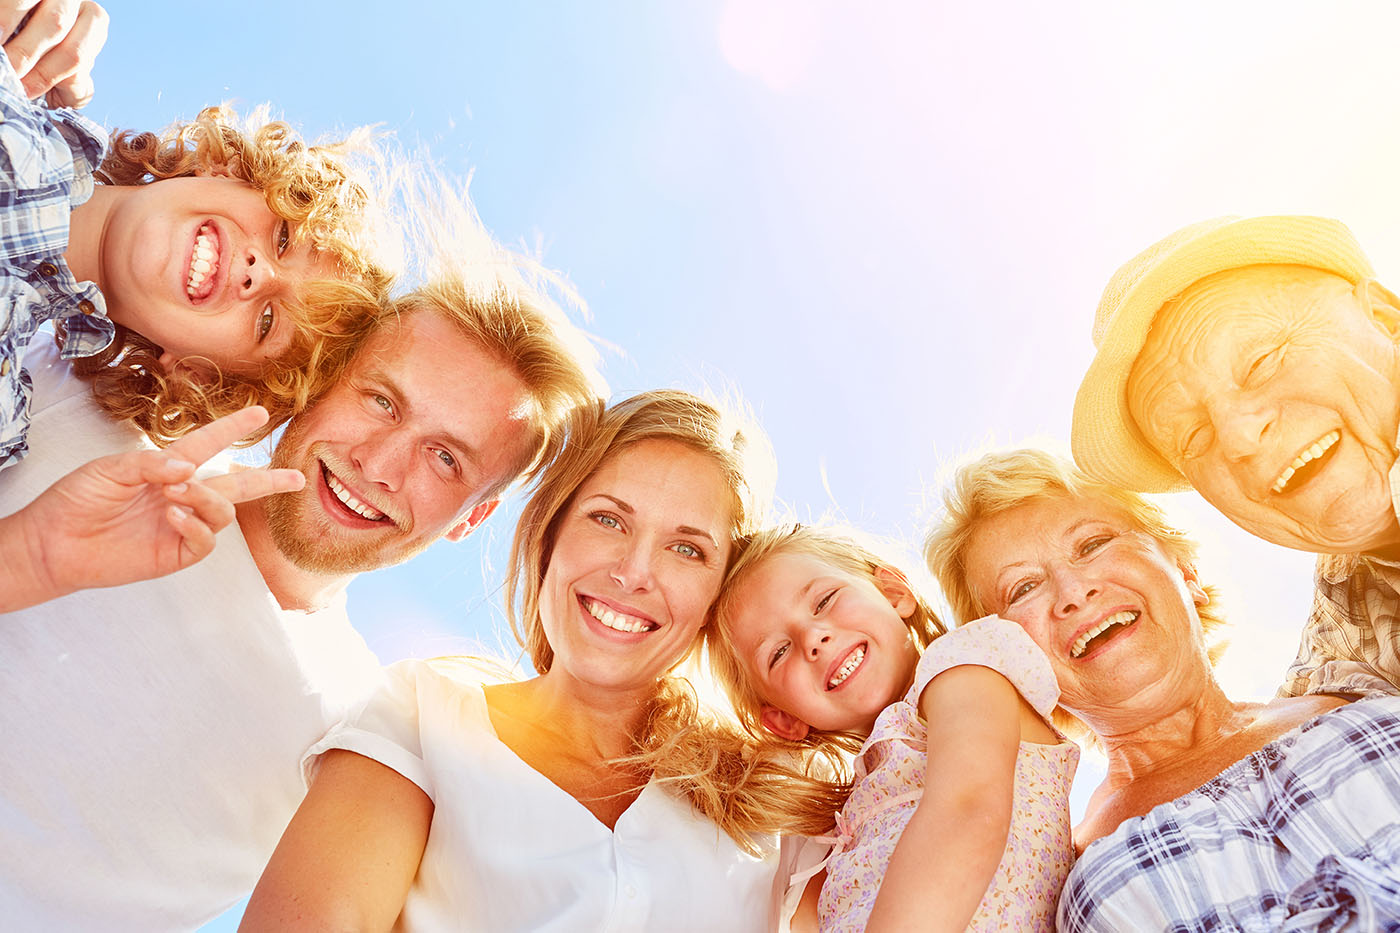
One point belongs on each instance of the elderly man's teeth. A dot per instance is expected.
(853, 661)
(1319, 447)
(1126, 617)
(616, 620)
(350, 502)
(201, 261)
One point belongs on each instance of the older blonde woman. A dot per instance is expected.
(522, 805)
(1214, 813)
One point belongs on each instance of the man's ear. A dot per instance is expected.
(1382, 304)
(783, 725)
(479, 513)
(895, 587)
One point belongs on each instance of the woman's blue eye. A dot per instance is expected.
(382, 402)
(606, 520)
(688, 550)
(446, 458)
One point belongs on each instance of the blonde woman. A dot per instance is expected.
(528, 805)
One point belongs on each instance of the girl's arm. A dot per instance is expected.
(349, 855)
(950, 850)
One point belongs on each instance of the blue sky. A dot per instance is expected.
(888, 229)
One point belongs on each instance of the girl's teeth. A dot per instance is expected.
(201, 262)
(847, 669)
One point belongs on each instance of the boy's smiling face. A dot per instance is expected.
(1275, 390)
(202, 266)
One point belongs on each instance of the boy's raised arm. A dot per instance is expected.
(130, 516)
(54, 51)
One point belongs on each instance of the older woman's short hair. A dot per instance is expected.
(998, 482)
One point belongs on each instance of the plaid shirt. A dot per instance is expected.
(47, 158)
(1302, 835)
(1351, 643)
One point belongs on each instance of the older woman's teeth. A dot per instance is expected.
(616, 620)
(847, 669)
(1126, 617)
(201, 260)
(349, 501)
(1319, 447)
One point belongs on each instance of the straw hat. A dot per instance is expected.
(1105, 439)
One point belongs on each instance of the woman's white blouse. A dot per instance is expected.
(509, 850)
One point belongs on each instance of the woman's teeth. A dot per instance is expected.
(203, 260)
(349, 501)
(1126, 617)
(1319, 447)
(853, 661)
(616, 620)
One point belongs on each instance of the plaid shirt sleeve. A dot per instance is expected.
(1304, 834)
(47, 159)
(1351, 643)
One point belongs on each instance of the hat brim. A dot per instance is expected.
(1104, 437)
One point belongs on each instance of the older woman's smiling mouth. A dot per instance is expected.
(1124, 617)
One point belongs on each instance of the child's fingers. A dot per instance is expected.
(198, 446)
(196, 538)
(214, 510)
(243, 485)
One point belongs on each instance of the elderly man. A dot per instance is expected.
(1258, 361)
(153, 732)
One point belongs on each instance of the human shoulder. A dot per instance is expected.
(997, 644)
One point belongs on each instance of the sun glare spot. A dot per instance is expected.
(772, 40)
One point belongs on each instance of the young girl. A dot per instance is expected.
(958, 814)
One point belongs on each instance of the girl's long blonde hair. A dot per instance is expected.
(804, 798)
(323, 190)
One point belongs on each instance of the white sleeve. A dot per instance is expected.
(386, 728)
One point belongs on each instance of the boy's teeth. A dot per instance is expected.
(853, 661)
(1318, 448)
(616, 620)
(353, 504)
(1126, 617)
(202, 260)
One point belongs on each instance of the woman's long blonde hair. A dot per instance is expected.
(323, 190)
(702, 755)
(818, 780)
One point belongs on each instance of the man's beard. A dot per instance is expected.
(312, 543)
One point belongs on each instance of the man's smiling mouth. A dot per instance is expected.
(1309, 460)
(351, 504)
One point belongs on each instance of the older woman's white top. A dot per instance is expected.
(509, 850)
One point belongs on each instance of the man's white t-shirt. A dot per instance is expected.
(150, 735)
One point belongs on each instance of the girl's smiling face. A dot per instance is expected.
(827, 648)
(638, 557)
(200, 266)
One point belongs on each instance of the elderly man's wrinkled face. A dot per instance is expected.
(1275, 390)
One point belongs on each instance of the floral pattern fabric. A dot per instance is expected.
(889, 784)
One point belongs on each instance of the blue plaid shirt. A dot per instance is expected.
(1304, 834)
(47, 158)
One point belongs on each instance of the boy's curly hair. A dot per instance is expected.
(326, 197)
